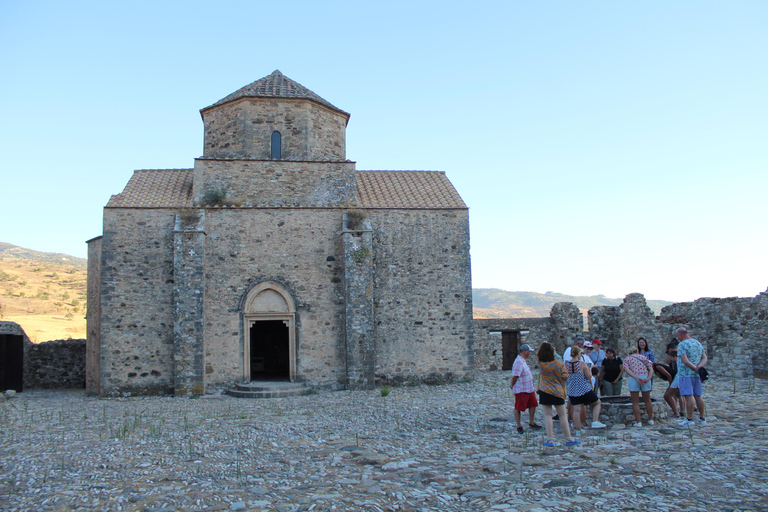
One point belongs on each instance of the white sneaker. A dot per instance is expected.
(597, 424)
(638, 424)
(686, 423)
(702, 421)
(650, 422)
(576, 433)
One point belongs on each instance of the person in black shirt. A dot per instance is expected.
(610, 373)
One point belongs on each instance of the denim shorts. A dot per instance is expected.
(634, 385)
(675, 382)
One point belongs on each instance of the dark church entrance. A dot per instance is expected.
(11, 362)
(270, 355)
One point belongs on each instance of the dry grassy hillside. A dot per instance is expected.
(47, 298)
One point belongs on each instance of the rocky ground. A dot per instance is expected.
(436, 448)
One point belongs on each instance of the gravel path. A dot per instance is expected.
(436, 448)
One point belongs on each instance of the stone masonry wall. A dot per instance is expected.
(54, 364)
(422, 294)
(137, 301)
(93, 318)
(51, 364)
(488, 343)
(278, 184)
(301, 249)
(605, 320)
(243, 129)
(734, 331)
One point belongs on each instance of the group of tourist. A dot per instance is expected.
(586, 368)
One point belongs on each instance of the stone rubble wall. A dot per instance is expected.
(54, 364)
(422, 295)
(560, 328)
(302, 250)
(51, 364)
(137, 311)
(734, 331)
(278, 184)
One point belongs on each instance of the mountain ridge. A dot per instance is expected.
(498, 303)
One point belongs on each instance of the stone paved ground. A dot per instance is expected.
(423, 448)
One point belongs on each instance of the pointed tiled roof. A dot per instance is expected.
(276, 85)
(156, 188)
(407, 189)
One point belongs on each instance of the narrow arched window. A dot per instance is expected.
(276, 146)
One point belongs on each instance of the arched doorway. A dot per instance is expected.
(269, 348)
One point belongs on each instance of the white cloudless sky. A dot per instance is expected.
(603, 147)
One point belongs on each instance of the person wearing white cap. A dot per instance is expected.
(522, 388)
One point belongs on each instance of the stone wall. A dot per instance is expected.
(93, 318)
(54, 364)
(560, 328)
(278, 184)
(137, 301)
(734, 331)
(243, 129)
(422, 294)
(302, 250)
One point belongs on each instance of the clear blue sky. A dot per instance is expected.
(602, 147)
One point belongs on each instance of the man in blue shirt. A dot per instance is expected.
(690, 357)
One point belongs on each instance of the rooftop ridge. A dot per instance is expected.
(275, 85)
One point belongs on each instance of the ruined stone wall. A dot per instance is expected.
(243, 129)
(568, 323)
(734, 331)
(302, 250)
(278, 184)
(54, 364)
(137, 301)
(488, 342)
(422, 294)
(605, 321)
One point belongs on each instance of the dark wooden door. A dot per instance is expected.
(509, 341)
(11, 362)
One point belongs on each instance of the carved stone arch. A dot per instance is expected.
(269, 301)
(269, 297)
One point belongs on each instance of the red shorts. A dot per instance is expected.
(525, 401)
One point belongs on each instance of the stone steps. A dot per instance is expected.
(264, 389)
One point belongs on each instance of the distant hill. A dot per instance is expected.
(13, 251)
(495, 303)
(43, 292)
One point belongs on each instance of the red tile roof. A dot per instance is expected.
(172, 188)
(156, 188)
(407, 190)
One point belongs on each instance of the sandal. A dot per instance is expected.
(573, 442)
(549, 443)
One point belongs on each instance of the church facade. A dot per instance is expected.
(274, 258)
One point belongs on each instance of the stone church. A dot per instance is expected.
(273, 258)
